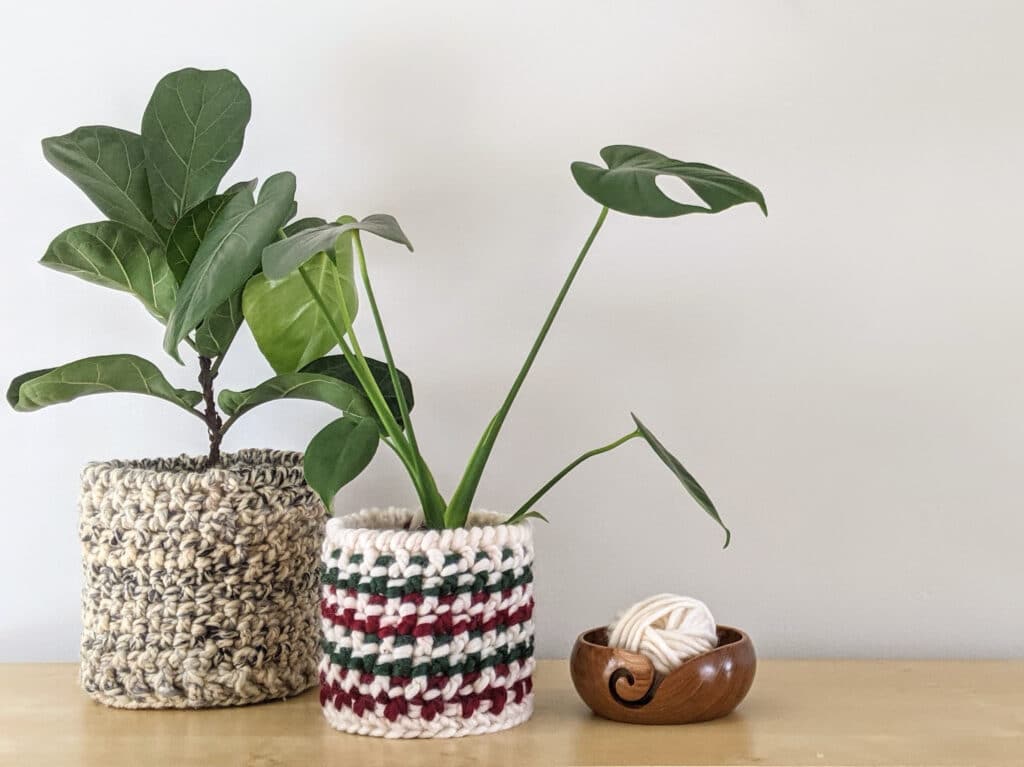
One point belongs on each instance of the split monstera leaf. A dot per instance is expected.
(191, 253)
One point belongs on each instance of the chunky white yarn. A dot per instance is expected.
(370, 559)
(666, 628)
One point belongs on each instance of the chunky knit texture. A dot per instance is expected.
(201, 587)
(426, 633)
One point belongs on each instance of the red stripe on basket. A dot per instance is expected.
(445, 622)
(337, 696)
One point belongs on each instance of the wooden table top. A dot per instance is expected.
(799, 713)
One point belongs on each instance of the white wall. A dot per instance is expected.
(845, 377)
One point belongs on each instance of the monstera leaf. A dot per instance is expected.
(336, 366)
(311, 386)
(114, 373)
(338, 454)
(115, 256)
(686, 478)
(228, 255)
(284, 256)
(193, 129)
(108, 164)
(628, 183)
(286, 321)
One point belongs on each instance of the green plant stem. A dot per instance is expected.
(403, 406)
(435, 512)
(458, 506)
(522, 510)
(373, 392)
(354, 357)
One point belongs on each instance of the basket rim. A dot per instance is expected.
(381, 528)
(246, 465)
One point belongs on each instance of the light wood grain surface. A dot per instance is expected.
(799, 713)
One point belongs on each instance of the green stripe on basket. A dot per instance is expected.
(379, 585)
(368, 664)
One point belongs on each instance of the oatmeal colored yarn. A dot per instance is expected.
(427, 633)
(201, 587)
(666, 628)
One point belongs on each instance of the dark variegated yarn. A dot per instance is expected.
(200, 586)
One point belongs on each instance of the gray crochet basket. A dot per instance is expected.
(200, 587)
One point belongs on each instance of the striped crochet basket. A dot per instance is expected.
(426, 633)
(200, 586)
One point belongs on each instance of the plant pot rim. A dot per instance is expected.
(250, 466)
(386, 529)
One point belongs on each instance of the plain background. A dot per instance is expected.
(845, 376)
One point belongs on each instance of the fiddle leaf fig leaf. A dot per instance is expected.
(188, 233)
(292, 212)
(286, 321)
(676, 467)
(284, 256)
(310, 386)
(337, 366)
(628, 183)
(108, 164)
(218, 330)
(242, 186)
(115, 256)
(228, 255)
(193, 128)
(124, 373)
(338, 454)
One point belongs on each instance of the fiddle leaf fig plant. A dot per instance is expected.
(342, 449)
(191, 254)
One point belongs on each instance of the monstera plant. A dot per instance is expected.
(222, 549)
(341, 450)
(440, 599)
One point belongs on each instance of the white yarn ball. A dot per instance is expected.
(667, 628)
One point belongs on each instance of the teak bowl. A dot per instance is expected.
(625, 686)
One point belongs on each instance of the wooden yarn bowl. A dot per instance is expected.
(625, 686)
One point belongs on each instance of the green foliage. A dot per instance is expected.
(109, 165)
(311, 386)
(115, 256)
(202, 261)
(229, 254)
(676, 467)
(337, 366)
(289, 254)
(187, 253)
(284, 318)
(193, 129)
(218, 330)
(113, 373)
(338, 454)
(190, 230)
(628, 185)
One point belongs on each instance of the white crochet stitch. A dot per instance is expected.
(387, 584)
(666, 628)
